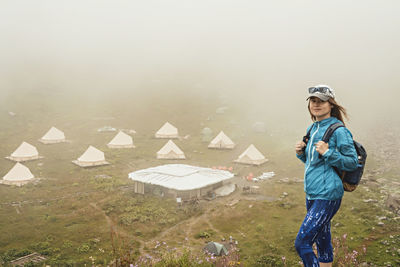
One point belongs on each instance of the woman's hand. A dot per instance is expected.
(321, 147)
(299, 147)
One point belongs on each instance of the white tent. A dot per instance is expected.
(167, 131)
(170, 151)
(53, 136)
(121, 140)
(251, 156)
(24, 152)
(222, 141)
(91, 157)
(180, 180)
(18, 175)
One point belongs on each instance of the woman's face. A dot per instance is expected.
(320, 109)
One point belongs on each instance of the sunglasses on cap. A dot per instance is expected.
(322, 90)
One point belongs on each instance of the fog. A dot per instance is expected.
(260, 54)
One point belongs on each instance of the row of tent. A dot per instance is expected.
(94, 157)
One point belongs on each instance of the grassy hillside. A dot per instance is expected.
(77, 216)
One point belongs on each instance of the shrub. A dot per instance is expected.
(260, 228)
(67, 244)
(84, 248)
(269, 260)
(206, 234)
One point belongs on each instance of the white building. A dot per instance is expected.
(179, 180)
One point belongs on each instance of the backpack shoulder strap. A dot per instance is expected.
(307, 136)
(331, 129)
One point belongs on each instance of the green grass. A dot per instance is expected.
(58, 217)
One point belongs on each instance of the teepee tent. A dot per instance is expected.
(170, 151)
(216, 249)
(53, 136)
(167, 131)
(251, 156)
(221, 141)
(18, 175)
(24, 152)
(91, 157)
(121, 140)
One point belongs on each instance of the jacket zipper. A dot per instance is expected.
(309, 152)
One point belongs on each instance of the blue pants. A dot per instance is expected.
(316, 228)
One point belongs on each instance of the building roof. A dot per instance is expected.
(180, 176)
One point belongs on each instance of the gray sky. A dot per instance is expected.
(260, 49)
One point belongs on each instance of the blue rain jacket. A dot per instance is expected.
(320, 179)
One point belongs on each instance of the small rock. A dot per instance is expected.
(369, 200)
(285, 194)
(381, 224)
(382, 218)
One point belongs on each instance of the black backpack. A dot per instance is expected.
(350, 179)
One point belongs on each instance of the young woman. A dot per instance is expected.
(323, 187)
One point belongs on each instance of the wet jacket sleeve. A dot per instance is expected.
(302, 157)
(344, 155)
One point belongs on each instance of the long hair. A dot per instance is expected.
(337, 111)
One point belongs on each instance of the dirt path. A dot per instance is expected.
(110, 222)
(187, 225)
